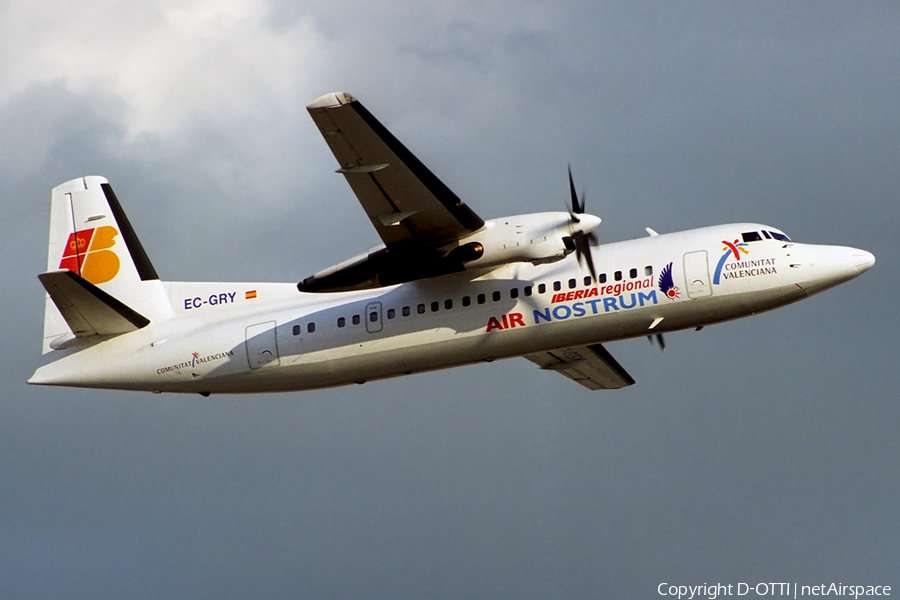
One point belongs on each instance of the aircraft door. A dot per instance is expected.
(696, 274)
(373, 317)
(262, 347)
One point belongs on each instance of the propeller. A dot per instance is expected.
(581, 240)
(577, 204)
(659, 340)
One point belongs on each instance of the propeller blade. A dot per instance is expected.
(580, 239)
(659, 340)
(577, 207)
(583, 250)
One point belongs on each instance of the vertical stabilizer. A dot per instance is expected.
(91, 236)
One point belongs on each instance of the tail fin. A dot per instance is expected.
(91, 236)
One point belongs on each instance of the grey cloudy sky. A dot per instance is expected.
(760, 450)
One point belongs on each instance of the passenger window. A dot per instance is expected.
(496, 296)
(296, 330)
(420, 309)
(435, 306)
(391, 313)
(618, 275)
(557, 286)
(406, 311)
(467, 301)
(542, 288)
(373, 316)
(480, 298)
(587, 280)
(527, 290)
(355, 319)
(341, 322)
(648, 271)
(311, 328)
(448, 304)
(602, 278)
(572, 283)
(514, 293)
(632, 273)
(751, 236)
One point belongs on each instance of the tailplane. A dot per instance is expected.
(96, 266)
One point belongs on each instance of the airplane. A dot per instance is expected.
(446, 288)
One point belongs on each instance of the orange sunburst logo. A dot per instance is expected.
(87, 253)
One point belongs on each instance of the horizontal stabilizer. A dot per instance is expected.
(591, 366)
(87, 309)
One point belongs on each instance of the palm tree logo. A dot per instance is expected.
(730, 249)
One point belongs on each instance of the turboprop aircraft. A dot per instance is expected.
(446, 288)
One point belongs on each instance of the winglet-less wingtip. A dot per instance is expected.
(332, 100)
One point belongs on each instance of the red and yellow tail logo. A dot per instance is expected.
(88, 254)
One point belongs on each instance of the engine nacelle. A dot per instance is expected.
(535, 238)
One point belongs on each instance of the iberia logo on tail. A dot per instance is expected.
(88, 254)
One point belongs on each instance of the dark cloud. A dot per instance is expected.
(759, 450)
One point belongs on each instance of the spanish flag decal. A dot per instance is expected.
(250, 295)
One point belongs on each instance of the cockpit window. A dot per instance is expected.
(751, 236)
(780, 236)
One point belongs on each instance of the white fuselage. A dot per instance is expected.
(235, 338)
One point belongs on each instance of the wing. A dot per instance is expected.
(591, 366)
(407, 203)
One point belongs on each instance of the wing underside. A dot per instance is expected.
(415, 214)
(591, 366)
(404, 200)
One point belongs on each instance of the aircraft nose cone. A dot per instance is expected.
(833, 265)
(863, 260)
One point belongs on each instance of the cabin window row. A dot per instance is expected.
(496, 296)
(310, 328)
(434, 306)
(601, 278)
(420, 309)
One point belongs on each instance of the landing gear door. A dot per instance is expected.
(262, 347)
(696, 274)
(373, 317)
